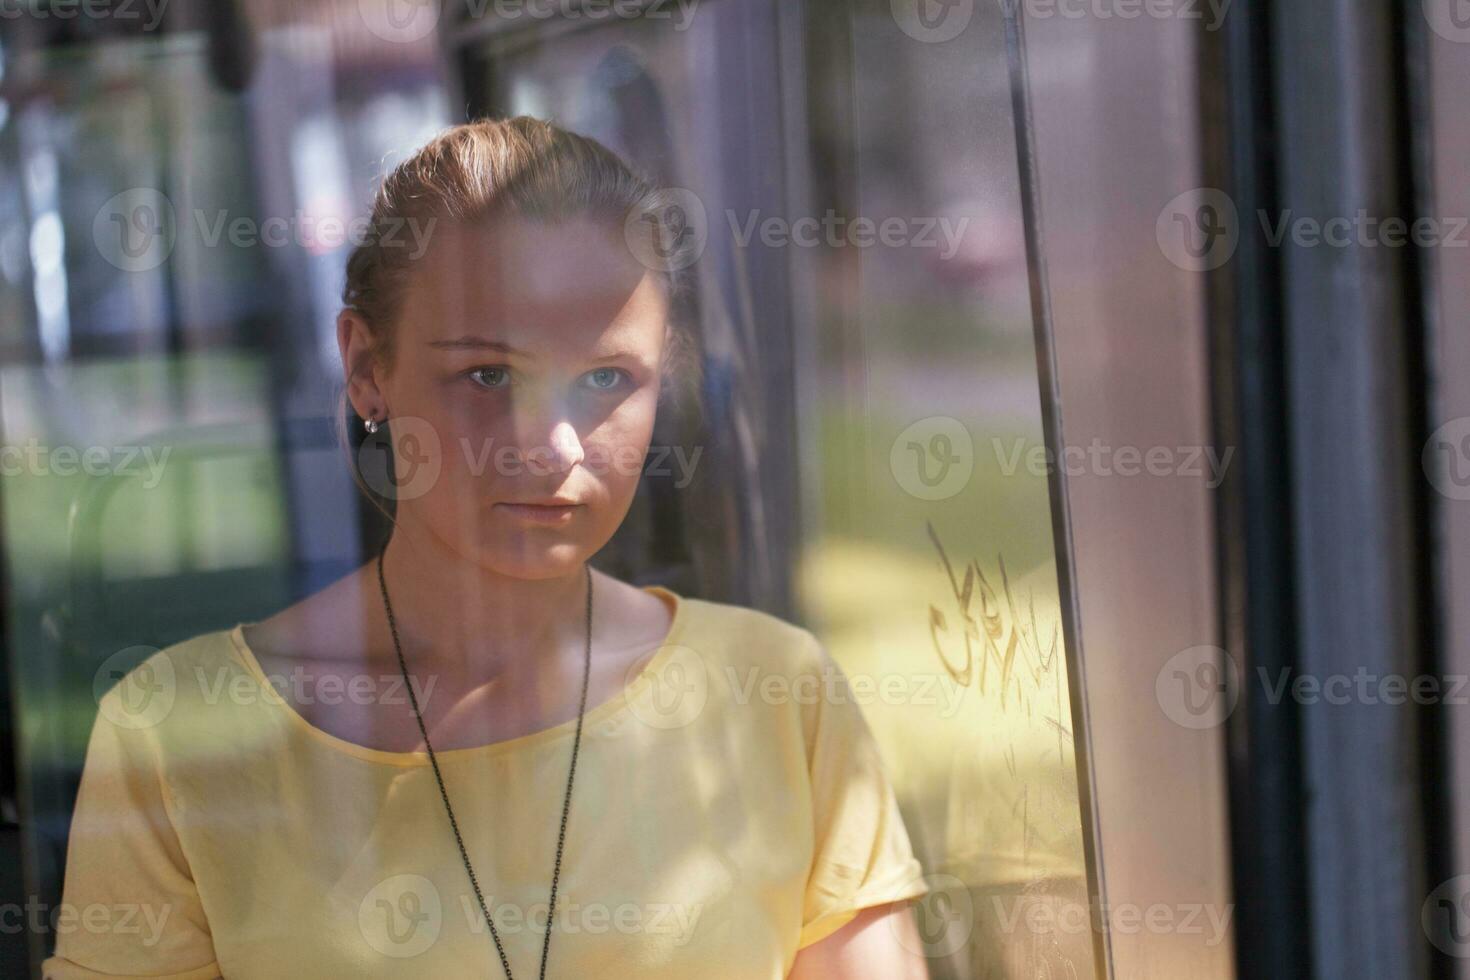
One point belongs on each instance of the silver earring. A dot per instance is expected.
(370, 424)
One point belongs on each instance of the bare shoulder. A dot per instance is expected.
(325, 628)
(628, 617)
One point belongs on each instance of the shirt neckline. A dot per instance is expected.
(612, 706)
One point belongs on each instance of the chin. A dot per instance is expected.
(530, 558)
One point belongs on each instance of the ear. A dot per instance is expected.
(360, 368)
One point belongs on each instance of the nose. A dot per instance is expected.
(547, 436)
(564, 447)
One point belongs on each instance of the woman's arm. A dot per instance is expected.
(882, 943)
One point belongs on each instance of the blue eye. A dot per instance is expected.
(498, 377)
(611, 375)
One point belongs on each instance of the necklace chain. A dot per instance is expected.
(566, 805)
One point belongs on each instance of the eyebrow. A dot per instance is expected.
(478, 343)
(501, 347)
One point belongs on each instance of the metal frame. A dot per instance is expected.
(1350, 359)
(1437, 74)
(1131, 349)
(1051, 423)
(1255, 531)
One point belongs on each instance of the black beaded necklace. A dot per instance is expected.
(566, 806)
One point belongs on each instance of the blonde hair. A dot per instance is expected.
(521, 167)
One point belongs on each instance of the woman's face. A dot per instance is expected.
(527, 363)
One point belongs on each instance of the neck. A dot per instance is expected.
(450, 610)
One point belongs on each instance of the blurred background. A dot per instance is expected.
(1026, 386)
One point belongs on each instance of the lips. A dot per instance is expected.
(539, 513)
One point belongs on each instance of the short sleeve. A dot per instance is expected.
(862, 855)
(129, 905)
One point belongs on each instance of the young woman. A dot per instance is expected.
(476, 756)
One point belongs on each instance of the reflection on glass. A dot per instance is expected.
(155, 481)
(869, 416)
(931, 558)
(924, 554)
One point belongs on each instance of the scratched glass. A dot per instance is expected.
(934, 553)
(866, 455)
(887, 261)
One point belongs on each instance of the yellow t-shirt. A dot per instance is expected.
(730, 807)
